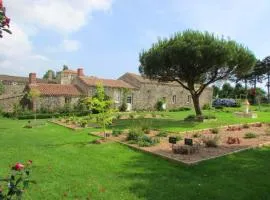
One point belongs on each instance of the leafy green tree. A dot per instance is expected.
(103, 105)
(216, 91)
(2, 88)
(227, 91)
(266, 66)
(46, 75)
(65, 67)
(195, 60)
(33, 96)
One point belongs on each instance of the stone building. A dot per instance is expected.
(70, 86)
(147, 92)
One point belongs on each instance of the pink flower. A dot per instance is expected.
(1, 4)
(18, 166)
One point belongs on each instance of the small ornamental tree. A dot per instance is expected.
(103, 106)
(2, 88)
(33, 96)
(4, 20)
(266, 65)
(195, 60)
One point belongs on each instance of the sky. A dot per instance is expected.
(105, 37)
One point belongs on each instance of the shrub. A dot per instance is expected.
(159, 105)
(134, 134)
(162, 134)
(123, 107)
(250, 135)
(196, 135)
(18, 181)
(180, 109)
(211, 141)
(83, 123)
(145, 141)
(245, 126)
(178, 138)
(215, 130)
(132, 116)
(206, 107)
(116, 133)
(29, 125)
(194, 118)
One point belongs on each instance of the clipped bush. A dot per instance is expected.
(196, 135)
(246, 126)
(206, 107)
(214, 131)
(162, 134)
(116, 133)
(132, 116)
(250, 135)
(180, 109)
(146, 141)
(134, 134)
(211, 141)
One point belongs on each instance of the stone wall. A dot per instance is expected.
(13, 95)
(53, 103)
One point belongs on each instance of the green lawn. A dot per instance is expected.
(175, 120)
(66, 166)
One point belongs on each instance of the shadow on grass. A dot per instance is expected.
(241, 176)
(155, 123)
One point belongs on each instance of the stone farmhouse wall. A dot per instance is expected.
(7, 103)
(53, 103)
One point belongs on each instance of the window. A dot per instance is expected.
(129, 99)
(174, 99)
(67, 100)
(189, 99)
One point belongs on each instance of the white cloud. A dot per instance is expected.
(18, 54)
(61, 15)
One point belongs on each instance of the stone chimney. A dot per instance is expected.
(80, 72)
(50, 75)
(32, 78)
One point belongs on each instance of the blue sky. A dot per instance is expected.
(105, 36)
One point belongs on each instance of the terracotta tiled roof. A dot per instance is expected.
(142, 79)
(69, 71)
(19, 79)
(93, 81)
(56, 89)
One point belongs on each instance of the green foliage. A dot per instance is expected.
(215, 131)
(146, 141)
(123, 107)
(211, 141)
(134, 134)
(65, 67)
(197, 58)
(180, 109)
(103, 106)
(46, 75)
(159, 105)
(2, 88)
(162, 134)
(206, 106)
(246, 126)
(250, 135)
(17, 182)
(116, 133)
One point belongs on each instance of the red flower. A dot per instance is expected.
(18, 166)
(1, 4)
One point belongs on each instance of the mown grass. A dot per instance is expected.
(66, 166)
(174, 121)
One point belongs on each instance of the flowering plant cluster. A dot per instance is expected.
(4, 20)
(17, 182)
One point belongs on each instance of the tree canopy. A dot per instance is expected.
(195, 60)
(46, 75)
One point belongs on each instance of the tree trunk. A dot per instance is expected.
(196, 103)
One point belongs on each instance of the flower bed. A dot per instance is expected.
(209, 145)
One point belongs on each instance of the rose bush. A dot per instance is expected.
(17, 182)
(4, 20)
